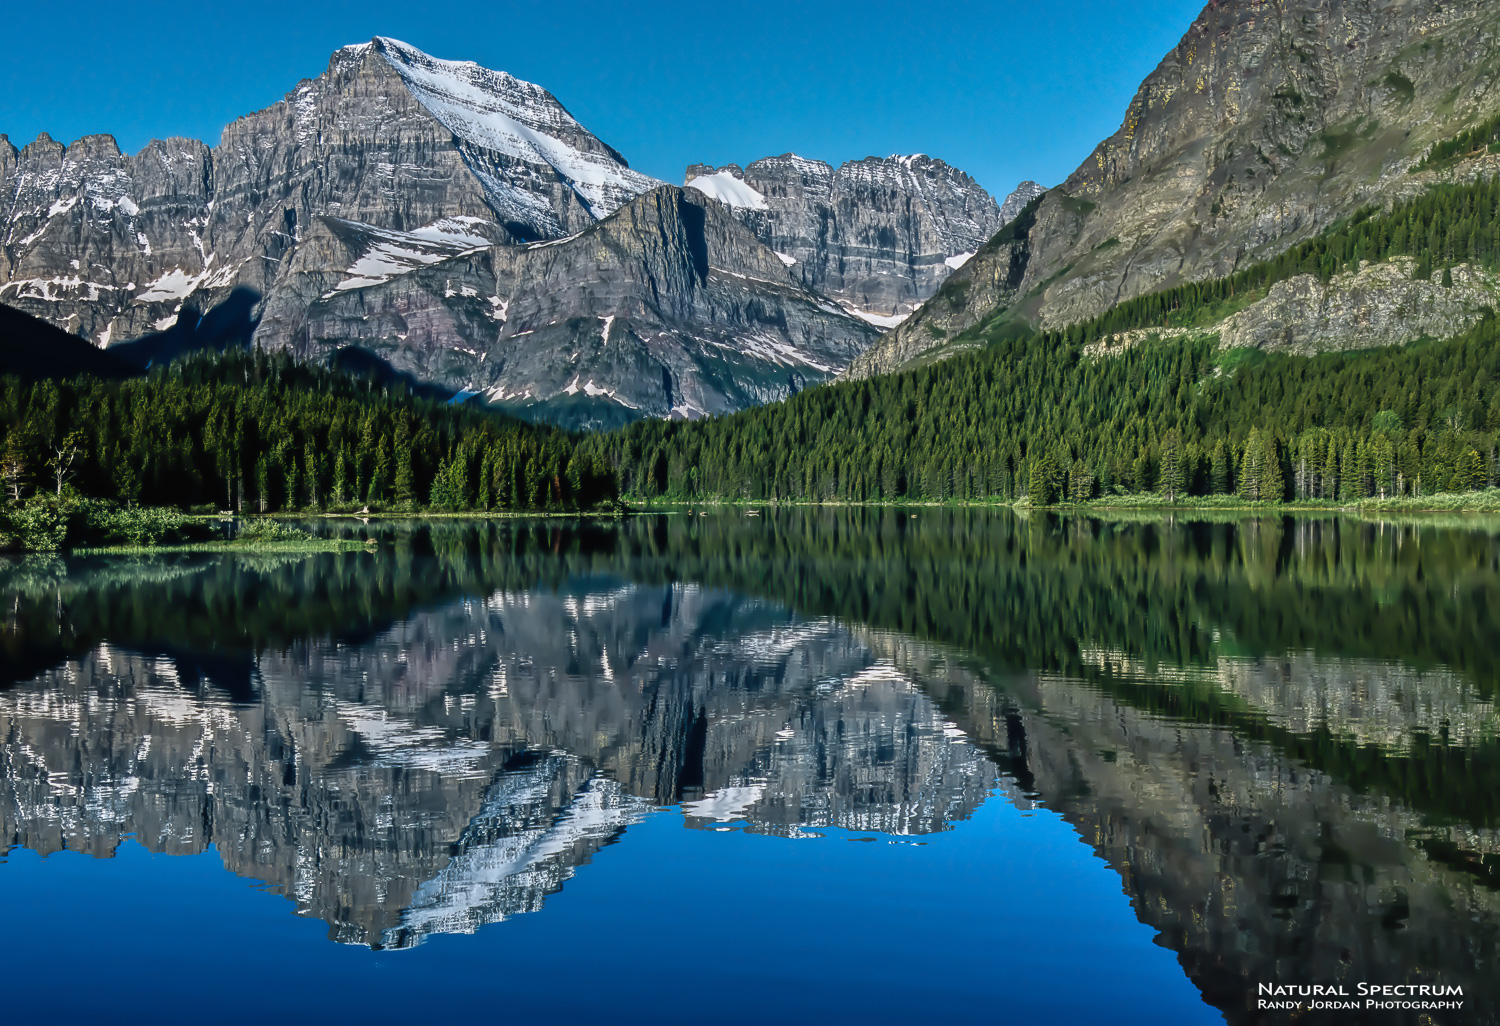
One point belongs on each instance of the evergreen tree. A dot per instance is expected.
(1172, 476)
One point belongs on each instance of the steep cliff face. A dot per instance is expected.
(669, 307)
(103, 244)
(1265, 124)
(878, 234)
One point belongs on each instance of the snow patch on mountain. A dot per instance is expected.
(175, 284)
(881, 320)
(504, 115)
(391, 253)
(726, 188)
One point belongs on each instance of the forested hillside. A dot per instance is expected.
(258, 433)
(1049, 417)
(1035, 417)
(1044, 416)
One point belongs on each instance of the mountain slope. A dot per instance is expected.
(878, 235)
(1267, 123)
(669, 307)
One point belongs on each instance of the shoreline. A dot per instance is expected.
(1443, 502)
(1474, 504)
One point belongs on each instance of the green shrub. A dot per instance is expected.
(142, 525)
(49, 523)
(38, 526)
(271, 531)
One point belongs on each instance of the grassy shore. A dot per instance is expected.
(1487, 501)
(306, 546)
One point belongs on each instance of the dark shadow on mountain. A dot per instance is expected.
(580, 412)
(695, 219)
(31, 348)
(229, 324)
(361, 363)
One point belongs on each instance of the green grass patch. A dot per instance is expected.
(1404, 88)
(1240, 357)
(1078, 205)
(310, 546)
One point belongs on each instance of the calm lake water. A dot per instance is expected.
(831, 765)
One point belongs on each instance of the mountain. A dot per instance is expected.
(111, 246)
(461, 226)
(878, 235)
(1265, 125)
(668, 307)
(1017, 201)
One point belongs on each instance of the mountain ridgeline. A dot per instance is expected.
(462, 227)
(878, 235)
(1266, 124)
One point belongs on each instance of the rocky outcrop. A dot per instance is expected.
(1017, 201)
(1382, 304)
(1265, 124)
(1378, 305)
(878, 235)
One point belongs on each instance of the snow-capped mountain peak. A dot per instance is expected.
(501, 120)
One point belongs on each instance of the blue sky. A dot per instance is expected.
(1004, 90)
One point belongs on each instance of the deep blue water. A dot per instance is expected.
(1008, 919)
(818, 766)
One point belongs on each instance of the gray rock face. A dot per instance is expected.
(1017, 200)
(878, 235)
(1265, 124)
(669, 307)
(1382, 304)
(102, 244)
(1378, 305)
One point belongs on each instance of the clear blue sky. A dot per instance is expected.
(1004, 90)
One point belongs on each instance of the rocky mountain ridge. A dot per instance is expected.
(878, 235)
(1264, 125)
(440, 216)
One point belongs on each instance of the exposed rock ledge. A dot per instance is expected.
(1381, 304)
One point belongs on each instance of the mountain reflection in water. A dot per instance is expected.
(1280, 733)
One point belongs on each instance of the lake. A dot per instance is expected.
(869, 765)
